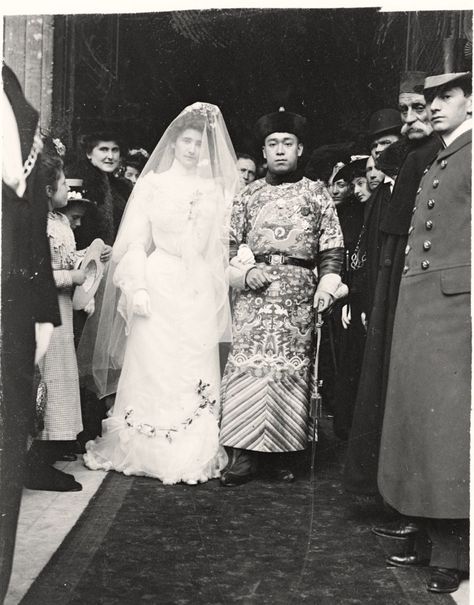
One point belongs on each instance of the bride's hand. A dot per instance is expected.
(141, 303)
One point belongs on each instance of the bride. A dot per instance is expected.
(165, 309)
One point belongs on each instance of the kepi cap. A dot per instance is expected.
(412, 82)
(443, 79)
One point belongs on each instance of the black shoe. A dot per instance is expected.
(400, 529)
(66, 457)
(444, 580)
(48, 478)
(231, 479)
(407, 560)
(282, 474)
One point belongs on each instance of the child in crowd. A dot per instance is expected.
(62, 420)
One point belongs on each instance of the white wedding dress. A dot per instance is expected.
(164, 423)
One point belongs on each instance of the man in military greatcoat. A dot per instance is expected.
(424, 450)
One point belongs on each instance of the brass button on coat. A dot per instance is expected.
(431, 203)
(407, 249)
(410, 231)
(426, 244)
(429, 225)
(405, 268)
(435, 183)
(418, 190)
(444, 163)
(414, 210)
(425, 264)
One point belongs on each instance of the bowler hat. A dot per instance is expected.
(281, 121)
(384, 121)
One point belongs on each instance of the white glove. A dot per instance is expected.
(346, 316)
(90, 307)
(43, 332)
(141, 304)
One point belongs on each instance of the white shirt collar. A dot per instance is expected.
(390, 181)
(461, 129)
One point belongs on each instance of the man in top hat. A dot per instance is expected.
(360, 474)
(384, 129)
(424, 450)
(286, 257)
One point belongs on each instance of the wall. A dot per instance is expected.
(28, 50)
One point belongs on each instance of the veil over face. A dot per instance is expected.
(193, 167)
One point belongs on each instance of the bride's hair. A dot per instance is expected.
(187, 121)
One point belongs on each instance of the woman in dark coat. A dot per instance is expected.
(100, 160)
(98, 165)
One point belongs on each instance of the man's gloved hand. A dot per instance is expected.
(323, 301)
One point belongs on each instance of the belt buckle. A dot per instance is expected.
(276, 259)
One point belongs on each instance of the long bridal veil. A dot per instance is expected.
(102, 345)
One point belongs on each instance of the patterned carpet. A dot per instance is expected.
(262, 543)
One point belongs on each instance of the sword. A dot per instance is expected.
(316, 400)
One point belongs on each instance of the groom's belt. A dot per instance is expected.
(282, 259)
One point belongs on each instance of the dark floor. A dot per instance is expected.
(261, 543)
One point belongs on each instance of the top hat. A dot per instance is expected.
(384, 121)
(281, 121)
(76, 192)
(412, 82)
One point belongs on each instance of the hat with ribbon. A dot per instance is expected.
(76, 192)
(93, 267)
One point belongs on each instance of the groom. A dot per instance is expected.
(285, 241)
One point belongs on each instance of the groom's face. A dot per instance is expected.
(187, 147)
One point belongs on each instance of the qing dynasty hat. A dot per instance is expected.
(281, 121)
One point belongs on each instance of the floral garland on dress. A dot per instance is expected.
(150, 430)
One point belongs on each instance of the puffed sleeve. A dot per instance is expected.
(131, 248)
